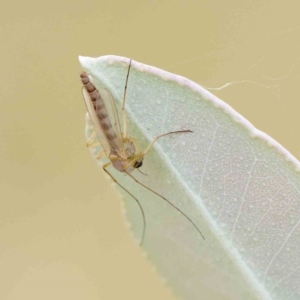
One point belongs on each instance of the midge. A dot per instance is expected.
(117, 146)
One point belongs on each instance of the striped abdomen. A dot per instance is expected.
(100, 110)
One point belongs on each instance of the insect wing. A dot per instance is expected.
(99, 131)
(113, 116)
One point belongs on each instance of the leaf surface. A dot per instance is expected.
(235, 182)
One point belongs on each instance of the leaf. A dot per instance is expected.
(235, 182)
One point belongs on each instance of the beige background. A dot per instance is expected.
(61, 232)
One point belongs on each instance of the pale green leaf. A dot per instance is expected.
(238, 185)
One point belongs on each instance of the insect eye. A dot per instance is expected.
(138, 164)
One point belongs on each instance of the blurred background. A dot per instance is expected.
(62, 235)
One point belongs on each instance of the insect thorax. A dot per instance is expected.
(125, 160)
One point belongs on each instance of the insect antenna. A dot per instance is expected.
(142, 172)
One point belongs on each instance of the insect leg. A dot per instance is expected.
(89, 143)
(123, 105)
(94, 144)
(136, 200)
(178, 209)
(159, 136)
(100, 155)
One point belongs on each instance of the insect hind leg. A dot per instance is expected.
(136, 200)
(168, 201)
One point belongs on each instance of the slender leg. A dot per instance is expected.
(124, 102)
(158, 137)
(90, 140)
(136, 200)
(100, 154)
(93, 144)
(167, 202)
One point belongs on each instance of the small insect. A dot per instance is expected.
(117, 146)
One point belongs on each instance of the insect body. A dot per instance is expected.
(123, 153)
(120, 149)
